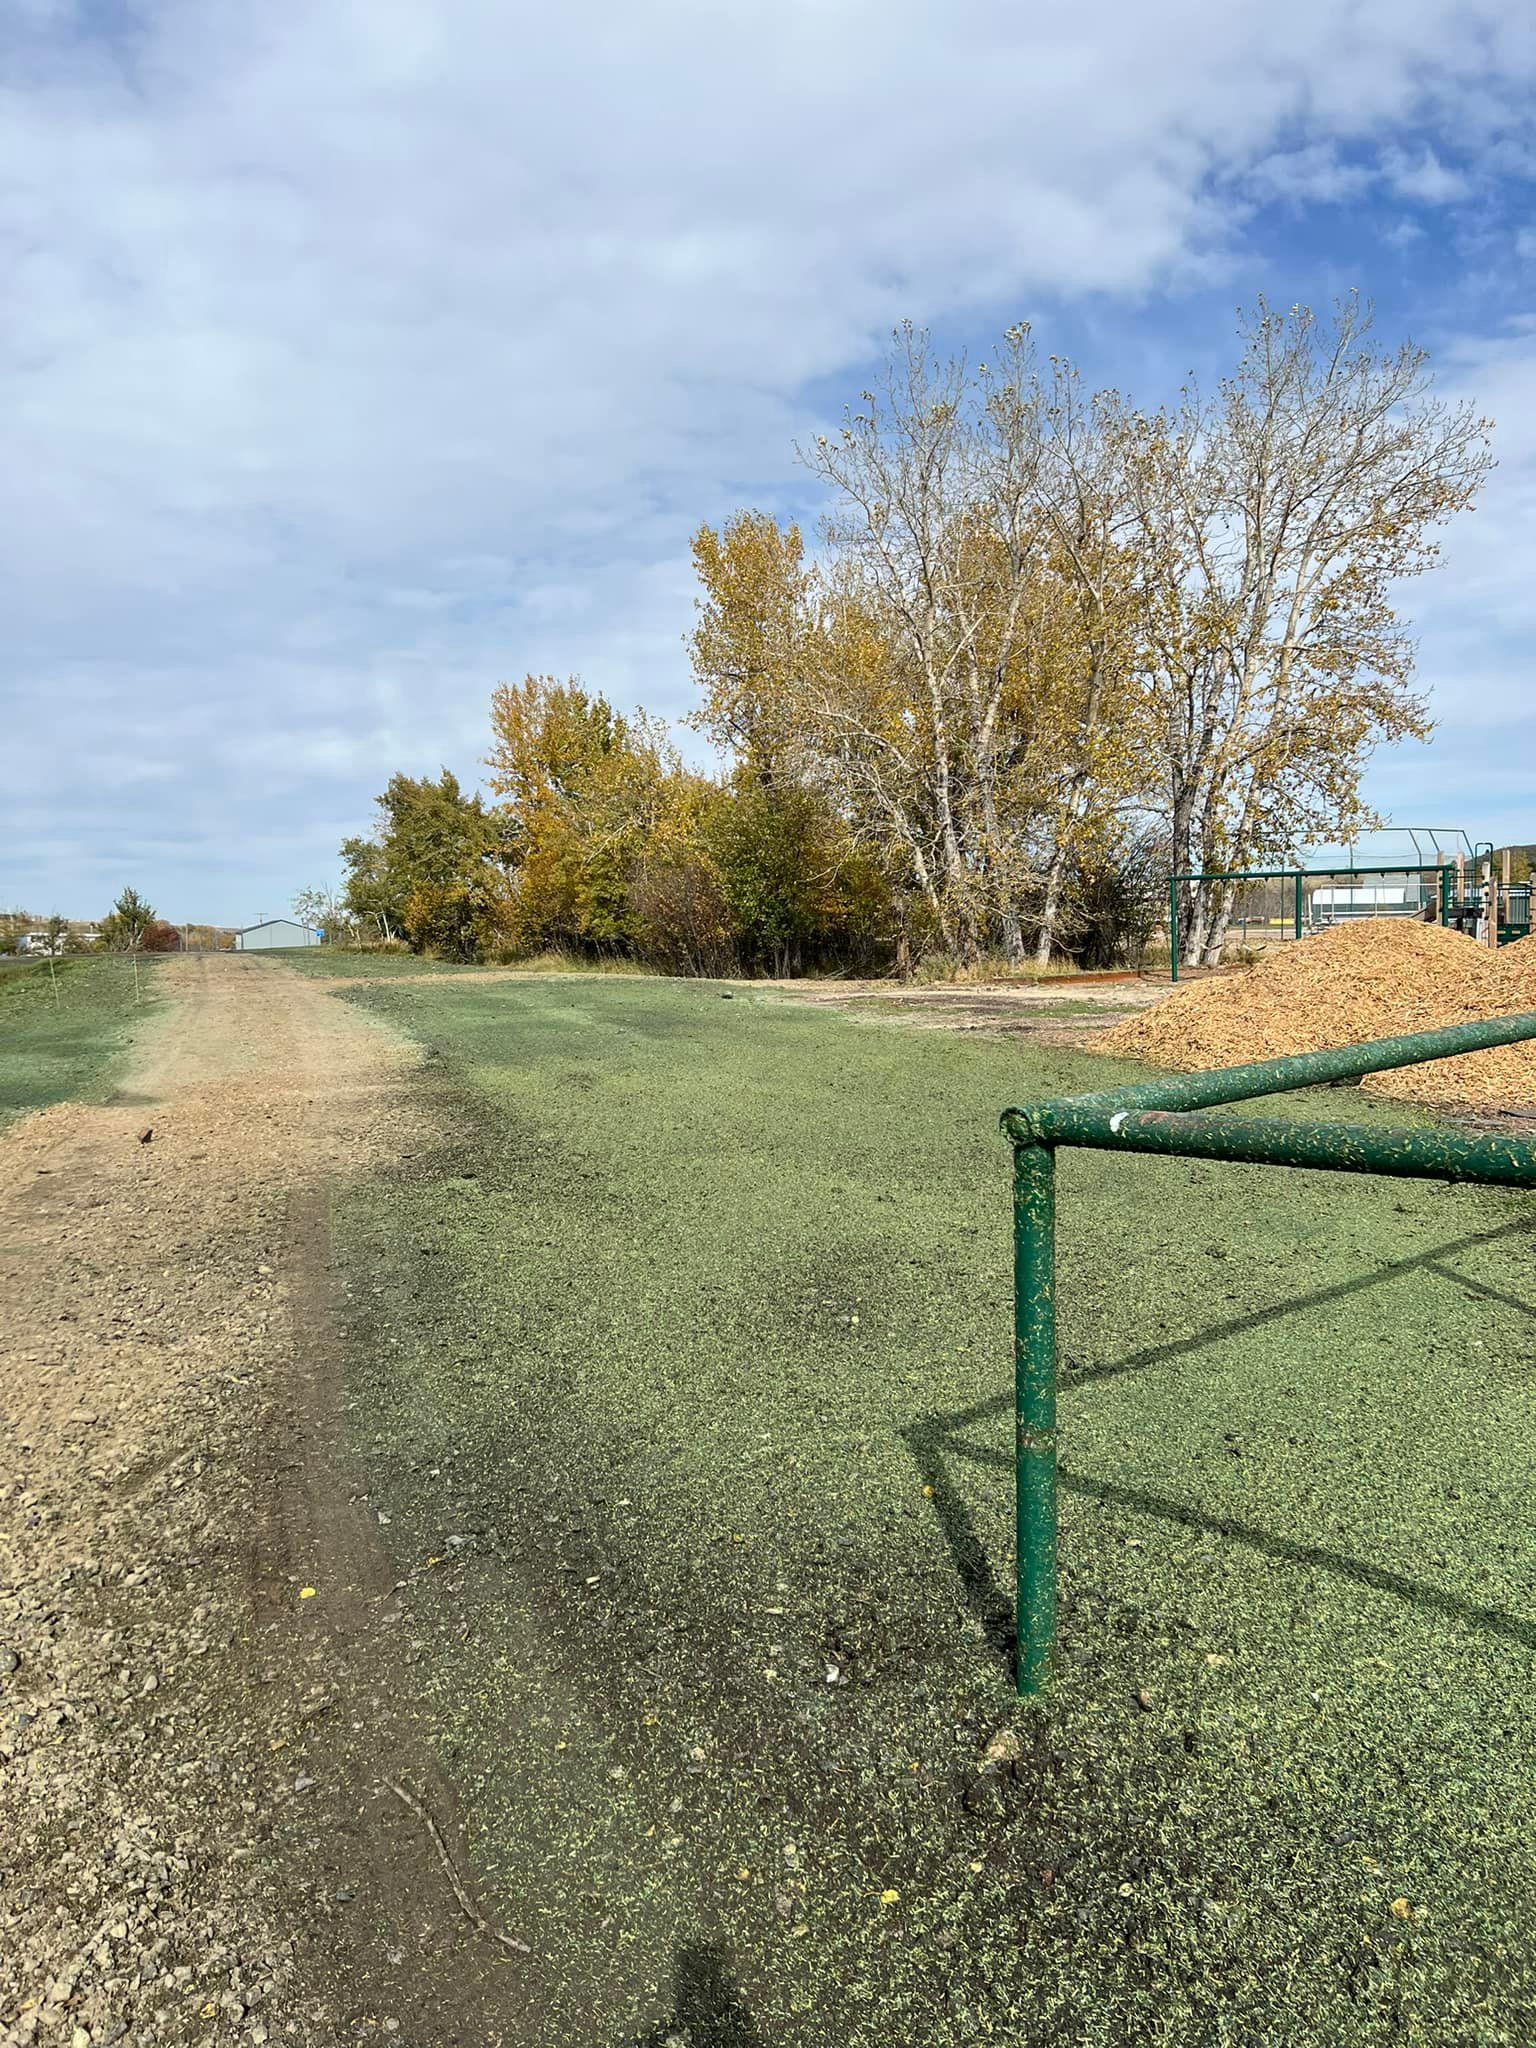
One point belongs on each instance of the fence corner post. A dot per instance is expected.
(1034, 1353)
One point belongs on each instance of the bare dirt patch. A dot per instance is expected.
(203, 1702)
(1056, 1010)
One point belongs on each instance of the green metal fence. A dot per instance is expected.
(1163, 1116)
(1297, 879)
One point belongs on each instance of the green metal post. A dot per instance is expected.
(1299, 879)
(1034, 1362)
(1445, 896)
(1173, 927)
(1154, 1116)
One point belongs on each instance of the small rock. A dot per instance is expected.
(9, 1661)
(1006, 1747)
(1143, 1699)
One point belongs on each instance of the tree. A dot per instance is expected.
(796, 888)
(325, 911)
(749, 642)
(435, 873)
(958, 674)
(160, 937)
(370, 898)
(588, 795)
(938, 546)
(1275, 522)
(679, 918)
(130, 917)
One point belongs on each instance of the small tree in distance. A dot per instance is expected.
(123, 931)
(56, 931)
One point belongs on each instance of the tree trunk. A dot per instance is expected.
(1050, 909)
(1221, 919)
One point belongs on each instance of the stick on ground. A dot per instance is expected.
(471, 1911)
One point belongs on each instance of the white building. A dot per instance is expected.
(1369, 899)
(275, 934)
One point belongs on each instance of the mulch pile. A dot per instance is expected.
(1372, 978)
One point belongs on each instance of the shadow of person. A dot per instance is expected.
(706, 2010)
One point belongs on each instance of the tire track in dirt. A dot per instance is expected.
(197, 1841)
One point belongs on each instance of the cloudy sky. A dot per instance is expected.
(359, 354)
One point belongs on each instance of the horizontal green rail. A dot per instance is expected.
(1164, 1116)
(1270, 1141)
(1278, 1077)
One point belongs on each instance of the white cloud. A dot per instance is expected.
(1476, 620)
(1316, 174)
(357, 357)
(1424, 177)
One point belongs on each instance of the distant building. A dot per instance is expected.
(275, 934)
(1373, 899)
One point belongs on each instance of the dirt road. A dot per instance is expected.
(205, 1733)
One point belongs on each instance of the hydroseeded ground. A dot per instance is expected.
(680, 1380)
(61, 1039)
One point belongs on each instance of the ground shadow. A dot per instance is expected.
(934, 1439)
(1322, 1297)
(707, 2011)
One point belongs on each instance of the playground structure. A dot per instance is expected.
(1154, 1117)
(1470, 891)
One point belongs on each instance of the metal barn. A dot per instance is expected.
(275, 934)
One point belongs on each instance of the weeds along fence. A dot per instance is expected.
(1173, 1116)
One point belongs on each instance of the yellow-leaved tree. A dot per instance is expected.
(587, 796)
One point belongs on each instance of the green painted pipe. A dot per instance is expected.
(1153, 1117)
(1034, 1380)
(1423, 1154)
(1275, 1077)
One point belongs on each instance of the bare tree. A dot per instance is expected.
(979, 555)
(1275, 520)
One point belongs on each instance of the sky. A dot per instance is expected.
(358, 355)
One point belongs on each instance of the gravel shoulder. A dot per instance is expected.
(205, 1725)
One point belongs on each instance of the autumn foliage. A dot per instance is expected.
(1047, 647)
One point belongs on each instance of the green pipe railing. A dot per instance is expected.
(1155, 1116)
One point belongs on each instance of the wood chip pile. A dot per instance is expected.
(1372, 978)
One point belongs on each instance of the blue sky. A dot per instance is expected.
(358, 357)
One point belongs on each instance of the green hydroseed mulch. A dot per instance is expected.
(682, 1375)
(66, 1050)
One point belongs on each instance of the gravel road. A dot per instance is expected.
(203, 1709)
